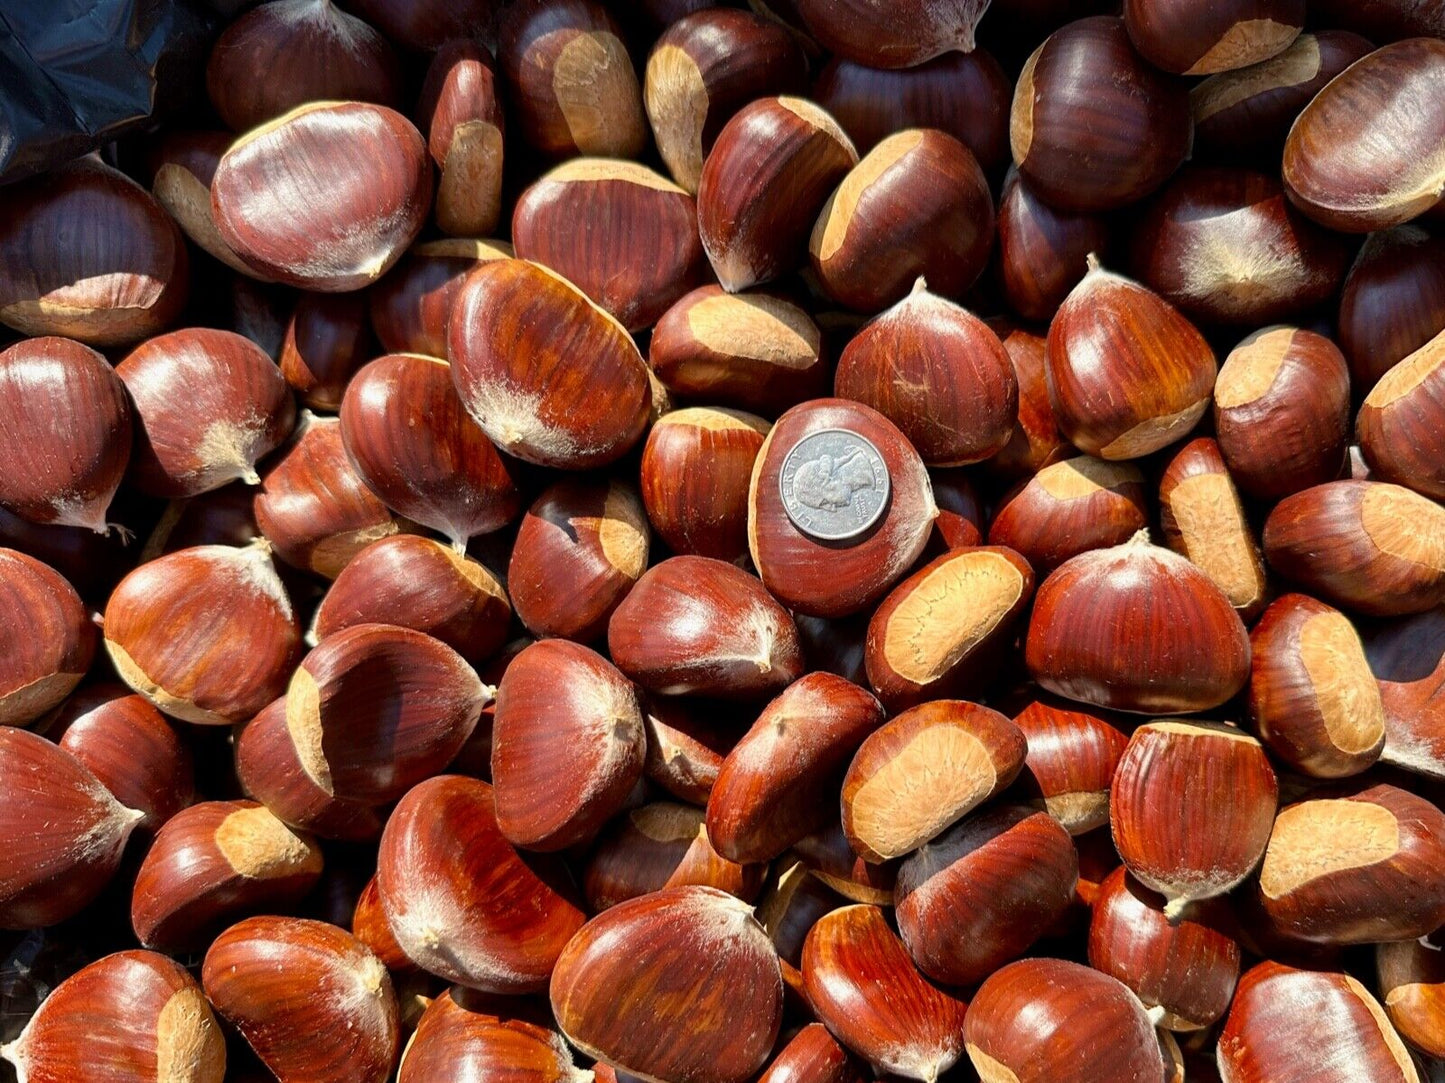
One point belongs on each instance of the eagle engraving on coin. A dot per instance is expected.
(834, 484)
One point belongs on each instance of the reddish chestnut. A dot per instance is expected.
(412, 306)
(897, 35)
(813, 1055)
(962, 518)
(1410, 983)
(686, 745)
(464, 1035)
(1399, 426)
(1070, 507)
(47, 640)
(1042, 251)
(1393, 302)
(1194, 37)
(831, 860)
(461, 110)
(184, 163)
(1035, 441)
(1071, 759)
(326, 340)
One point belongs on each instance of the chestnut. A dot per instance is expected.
(1294, 385)
(1362, 868)
(775, 785)
(368, 924)
(1393, 302)
(567, 745)
(335, 236)
(1042, 251)
(416, 447)
(461, 112)
(830, 858)
(134, 1014)
(1136, 628)
(642, 986)
(1226, 247)
(686, 744)
(792, 904)
(412, 305)
(1071, 759)
(1035, 441)
(937, 372)
(327, 338)
(567, 389)
(1093, 126)
(212, 863)
(897, 35)
(309, 998)
(1407, 657)
(47, 636)
(464, 1035)
(1045, 1019)
(1191, 809)
(1399, 426)
(822, 578)
(944, 630)
(1195, 37)
(90, 561)
(642, 251)
(1312, 697)
(705, 67)
(1128, 374)
(570, 79)
(1068, 508)
(922, 771)
(1381, 20)
(580, 548)
(752, 351)
(1342, 178)
(425, 25)
(419, 583)
(1369, 546)
(1267, 1036)
(183, 164)
(916, 206)
(768, 175)
(814, 1055)
(864, 988)
(981, 893)
(1410, 980)
(961, 517)
(64, 832)
(87, 253)
(66, 426)
(966, 95)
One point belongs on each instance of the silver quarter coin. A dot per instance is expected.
(834, 484)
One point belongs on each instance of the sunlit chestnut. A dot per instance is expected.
(1401, 426)
(1068, 508)
(1072, 755)
(1035, 441)
(47, 635)
(1042, 251)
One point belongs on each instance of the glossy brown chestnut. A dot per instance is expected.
(966, 95)
(466, 1035)
(822, 579)
(1136, 628)
(87, 253)
(686, 744)
(1400, 424)
(918, 205)
(313, 507)
(460, 901)
(776, 785)
(183, 163)
(1072, 755)
(1070, 507)
(768, 175)
(570, 79)
(581, 547)
(412, 305)
(982, 892)
(332, 237)
(309, 998)
(1189, 968)
(862, 985)
(1226, 247)
(1293, 385)
(1312, 698)
(1093, 126)
(1369, 546)
(897, 35)
(1035, 441)
(662, 845)
(831, 860)
(368, 924)
(753, 351)
(65, 433)
(1410, 982)
(567, 389)
(47, 640)
(814, 1056)
(64, 832)
(461, 111)
(136, 753)
(640, 986)
(704, 68)
(695, 625)
(937, 372)
(419, 583)
(1045, 1019)
(1344, 1037)
(945, 629)
(1393, 302)
(567, 745)
(134, 1015)
(1246, 113)
(326, 340)
(1195, 37)
(242, 638)
(792, 904)
(922, 771)
(308, 50)
(1128, 374)
(1191, 808)
(213, 863)
(1367, 152)
(1407, 657)
(1359, 869)
(1042, 251)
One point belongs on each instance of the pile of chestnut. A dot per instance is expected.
(810, 542)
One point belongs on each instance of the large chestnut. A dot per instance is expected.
(1199, 37)
(47, 640)
(466, 1035)
(461, 111)
(1401, 426)
(892, 35)
(1393, 302)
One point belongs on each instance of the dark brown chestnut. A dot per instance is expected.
(425, 25)
(1401, 426)
(1407, 657)
(686, 743)
(47, 637)
(897, 35)
(1068, 508)
(326, 340)
(1042, 251)
(1393, 301)
(1410, 984)
(183, 164)
(814, 1055)
(463, 1034)
(412, 305)
(1197, 37)
(461, 113)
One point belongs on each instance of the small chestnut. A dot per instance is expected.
(326, 339)
(461, 113)
(1400, 424)
(1072, 756)
(47, 640)
(412, 305)
(1410, 985)
(1042, 252)
(1393, 302)
(466, 1035)
(1068, 508)
(892, 35)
